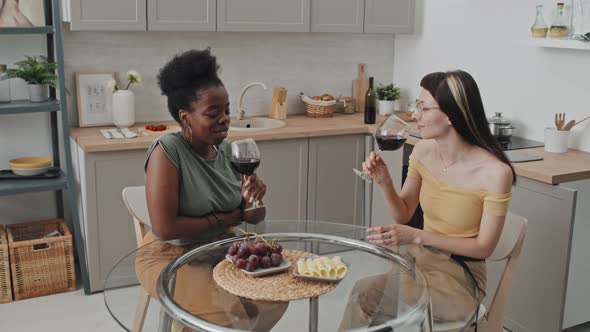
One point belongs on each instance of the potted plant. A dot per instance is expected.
(124, 101)
(39, 75)
(387, 96)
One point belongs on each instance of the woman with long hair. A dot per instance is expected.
(462, 180)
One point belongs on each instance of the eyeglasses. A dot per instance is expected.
(421, 108)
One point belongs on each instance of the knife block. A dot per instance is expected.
(278, 106)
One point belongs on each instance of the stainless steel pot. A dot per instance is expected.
(501, 127)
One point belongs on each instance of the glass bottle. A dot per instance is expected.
(560, 27)
(4, 85)
(370, 101)
(577, 17)
(539, 28)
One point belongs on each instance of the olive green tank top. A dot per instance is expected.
(205, 186)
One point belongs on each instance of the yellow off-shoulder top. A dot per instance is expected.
(452, 210)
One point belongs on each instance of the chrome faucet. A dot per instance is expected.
(241, 110)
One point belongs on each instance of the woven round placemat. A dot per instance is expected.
(282, 286)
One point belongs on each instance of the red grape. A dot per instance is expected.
(265, 262)
(233, 249)
(262, 248)
(240, 263)
(254, 259)
(276, 259)
(244, 251)
(277, 248)
(250, 267)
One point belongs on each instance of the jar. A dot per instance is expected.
(4, 85)
(561, 25)
(346, 105)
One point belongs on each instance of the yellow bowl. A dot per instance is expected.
(29, 162)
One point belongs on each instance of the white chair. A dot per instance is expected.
(508, 248)
(135, 201)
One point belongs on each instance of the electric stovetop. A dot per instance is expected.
(514, 143)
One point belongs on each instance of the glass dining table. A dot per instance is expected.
(384, 289)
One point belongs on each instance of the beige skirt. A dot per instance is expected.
(215, 304)
(375, 300)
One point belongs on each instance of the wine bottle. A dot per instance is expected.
(370, 100)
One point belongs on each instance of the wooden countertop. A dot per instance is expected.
(553, 169)
(298, 126)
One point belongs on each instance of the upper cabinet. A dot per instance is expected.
(181, 15)
(114, 15)
(353, 16)
(389, 16)
(263, 15)
(337, 15)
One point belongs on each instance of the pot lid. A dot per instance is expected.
(499, 119)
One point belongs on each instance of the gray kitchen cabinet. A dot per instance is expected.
(113, 15)
(283, 168)
(335, 193)
(389, 16)
(107, 225)
(263, 15)
(337, 15)
(181, 15)
(380, 215)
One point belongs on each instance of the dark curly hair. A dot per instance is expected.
(183, 77)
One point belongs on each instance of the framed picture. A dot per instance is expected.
(95, 98)
(22, 13)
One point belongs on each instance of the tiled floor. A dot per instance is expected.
(76, 312)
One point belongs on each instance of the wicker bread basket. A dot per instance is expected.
(318, 108)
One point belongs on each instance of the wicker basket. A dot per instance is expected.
(319, 111)
(41, 265)
(5, 289)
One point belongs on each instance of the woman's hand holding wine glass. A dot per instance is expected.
(245, 158)
(391, 135)
(375, 167)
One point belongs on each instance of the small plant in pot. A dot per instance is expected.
(39, 75)
(387, 95)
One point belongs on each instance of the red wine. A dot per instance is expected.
(390, 142)
(246, 166)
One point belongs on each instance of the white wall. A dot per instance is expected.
(490, 40)
(313, 63)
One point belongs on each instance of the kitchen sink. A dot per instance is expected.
(256, 123)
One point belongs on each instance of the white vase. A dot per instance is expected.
(123, 108)
(38, 92)
(385, 107)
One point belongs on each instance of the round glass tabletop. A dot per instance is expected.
(384, 289)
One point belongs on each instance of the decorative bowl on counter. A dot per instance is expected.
(29, 166)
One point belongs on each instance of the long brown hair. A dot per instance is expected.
(458, 97)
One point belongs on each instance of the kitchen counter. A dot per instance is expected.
(298, 126)
(554, 169)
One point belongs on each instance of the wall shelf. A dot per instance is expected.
(21, 186)
(26, 106)
(560, 43)
(26, 30)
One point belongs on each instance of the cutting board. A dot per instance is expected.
(360, 87)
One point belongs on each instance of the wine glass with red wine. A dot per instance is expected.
(245, 158)
(391, 135)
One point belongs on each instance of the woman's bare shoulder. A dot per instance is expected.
(499, 177)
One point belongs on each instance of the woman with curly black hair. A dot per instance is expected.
(195, 196)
